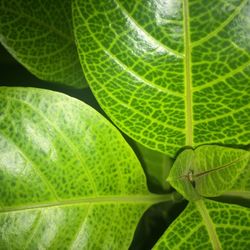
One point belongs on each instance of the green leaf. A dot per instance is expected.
(207, 171)
(68, 178)
(241, 187)
(208, 225)
(156, 166)
(39, 35)
(169, 73)
(154, 223)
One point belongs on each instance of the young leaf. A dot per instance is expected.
(206, 224)
(207, 171)
(39, 35)
(68, 178)
(169, 73)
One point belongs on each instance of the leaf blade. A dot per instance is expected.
(208, 171)
(59, 159)
(146, 90)
(196, 233)
(39, 35)
(156, 166)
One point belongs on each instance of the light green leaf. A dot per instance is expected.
(241, 187)
(39, 35)
(169, 73)
(68, 178)
(207, 171)
(208, 225)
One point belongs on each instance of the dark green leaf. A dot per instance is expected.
(156, 166)
(39, 35)
(169, 73)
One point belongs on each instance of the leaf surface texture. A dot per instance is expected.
(39, 35)
(209, 171)
(169, 73)
(68, 178)
(208, 225)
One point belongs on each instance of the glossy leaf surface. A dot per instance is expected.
(68, 178)
(208, 225)
(208, 171)
(39, 35)
(169, 73)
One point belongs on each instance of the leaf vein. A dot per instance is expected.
(188, 76)
(208, 224)
(80, 227)
(224, 24)
(39, 22)
(36, 226)
(125, 67)
(34, 167)
(143, 198)
(139, 112)
(222, 116)
(224, 77)
(161, 45)
(67, 140)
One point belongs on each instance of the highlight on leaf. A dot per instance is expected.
(172, 75)
(68, 177)
(169, 74)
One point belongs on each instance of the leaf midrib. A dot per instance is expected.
(188, 75)
(215, 242)
(229, 164)
(147, 198)
(202, 174)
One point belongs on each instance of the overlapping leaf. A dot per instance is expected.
(169, 73)
(209, 171)
(157, 167)
(39, 35)
(68, 178)
(208, 225)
